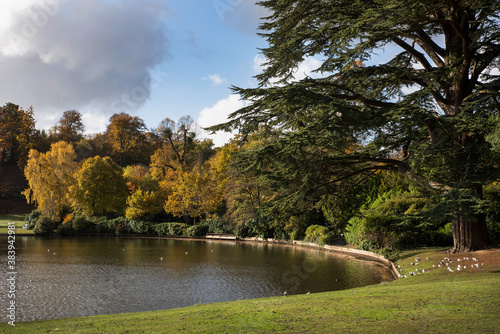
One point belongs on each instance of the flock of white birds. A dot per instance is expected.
(458, 264)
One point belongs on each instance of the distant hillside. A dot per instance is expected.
(12, 183)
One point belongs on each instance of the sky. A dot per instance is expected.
(149, 58)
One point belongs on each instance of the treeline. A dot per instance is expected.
(167, 181)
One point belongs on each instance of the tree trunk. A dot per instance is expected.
(469, 234)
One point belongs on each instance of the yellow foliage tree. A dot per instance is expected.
(50, 176)
(144, 204)
(125, 134)
(100, 187)
(201, 190)
(147, 197)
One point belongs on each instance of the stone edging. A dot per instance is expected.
(335, 249)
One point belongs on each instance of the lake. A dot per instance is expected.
(69, 277)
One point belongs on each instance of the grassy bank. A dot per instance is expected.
(437, 301)
(16, 218)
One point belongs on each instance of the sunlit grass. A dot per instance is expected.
(18, 219)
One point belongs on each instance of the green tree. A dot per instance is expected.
(100, 188)
(50, 177)
(410, 82)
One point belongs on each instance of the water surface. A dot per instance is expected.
(68, 277)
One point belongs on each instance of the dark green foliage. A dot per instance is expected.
(78, 225)
(176, 229)
(217, 226)
(32, 218)
(260, 226)
(397, 220)
(318, 234)
(141, 227)
(110, 226)
(44, 226)
(427, 109)
(171, 229)
(65, 229)
(197, 230)
(162, 229)
(83, 226)
(492, 195)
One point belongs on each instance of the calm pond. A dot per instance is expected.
(68, 277)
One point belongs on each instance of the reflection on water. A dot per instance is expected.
(67, 277)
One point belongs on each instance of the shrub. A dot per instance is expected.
(66, 227)
(103, 225)
(396, 221)
(259, 226)
(44, 226)
(197, 230)
(32, 218)
(161, 229)
(297, 235)
(82, 225)
(120, 225)
(140, 227)
(171, 229)
(318, 234)
(217, 226)
(176, 229)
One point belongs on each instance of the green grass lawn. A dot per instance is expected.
(18, 219)
(437, 301)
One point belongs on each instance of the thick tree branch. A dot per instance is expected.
(418, 55)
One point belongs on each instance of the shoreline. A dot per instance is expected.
(348, 251)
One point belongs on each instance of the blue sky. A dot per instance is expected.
(150, 58)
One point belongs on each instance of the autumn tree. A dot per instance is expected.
(179, 166)
(146, 196)
(200, 190)
(413, 83)
(187, 193)
(50, 177)
(17, 127)
(70, 127)
(100, 188)
(92, 145)
(125, 134)
(180, 149)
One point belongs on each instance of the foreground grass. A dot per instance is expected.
(435, 302)
(16, 218)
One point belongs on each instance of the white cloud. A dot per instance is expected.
(58, 55)
(218, 113)
(94, 122)
(216, 79)
(305, 68)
